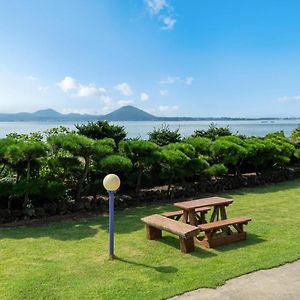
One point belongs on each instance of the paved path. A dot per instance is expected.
(282, 283)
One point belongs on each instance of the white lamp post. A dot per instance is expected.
(111, 183)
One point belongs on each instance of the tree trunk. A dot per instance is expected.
(139, 181)
(169, 187)
(26, 200)
(9, 204)
(82, 178)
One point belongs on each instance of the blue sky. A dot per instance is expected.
(170, 57)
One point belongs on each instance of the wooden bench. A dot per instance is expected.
(214, 238)
(176, 215)
(156, 223)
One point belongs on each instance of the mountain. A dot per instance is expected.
(129, 113)
(47, 115)
(125, 113)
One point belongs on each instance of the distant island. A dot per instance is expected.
(125, 113)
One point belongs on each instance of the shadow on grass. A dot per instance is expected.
(174, 242)
(252, 239)
(160, 269)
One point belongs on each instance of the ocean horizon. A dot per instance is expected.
(142, 128)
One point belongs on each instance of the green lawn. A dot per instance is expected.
(69, 260)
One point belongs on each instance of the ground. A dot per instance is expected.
(69, 260)
(279, 283)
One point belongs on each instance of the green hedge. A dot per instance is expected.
(61, 165)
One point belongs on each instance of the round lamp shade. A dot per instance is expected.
(111, 182)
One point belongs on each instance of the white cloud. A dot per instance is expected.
(288, 99)
(174, 79)
(144, 97)
(68, 83)
(125, 102)
(169, 80)
(164, 92)
(124, 88)
(108, 104)
(168, 109)
(189, 80)
(155, 6)
(89, 91)
(164, 11)
(169, 23)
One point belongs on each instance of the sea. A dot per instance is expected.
(186, 128)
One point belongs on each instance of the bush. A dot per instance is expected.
(102, 129)
(213, 132)
(217, 170)
(164, 136)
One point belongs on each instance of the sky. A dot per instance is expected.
(199, 58)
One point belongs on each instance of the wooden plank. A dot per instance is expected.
(221, 223)
(152, 233)
(212, 201)
(223, 212)
(192, 218)
(175, 227)
(173, 214)
(187, 245)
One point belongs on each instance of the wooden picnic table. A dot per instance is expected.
(189, 209)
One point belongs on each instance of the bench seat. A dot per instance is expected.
(213, 238)
(156, 223)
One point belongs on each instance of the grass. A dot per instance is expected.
(69, 260)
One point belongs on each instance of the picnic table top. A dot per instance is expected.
(211, 201)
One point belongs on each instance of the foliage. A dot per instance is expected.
(83, 148)
(213, 132)
(201, 144)
(164, 135)
(295, 137)
(217, 170)
(173, 165)
(102, 129)
(66, 165)
(225, 150)
(143, 155)
(114, 163)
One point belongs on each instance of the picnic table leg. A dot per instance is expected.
(225, 229)
(152, 232)
(187, 245)
(192, 218)
(185, 217)
(215, 214)
(223, 212)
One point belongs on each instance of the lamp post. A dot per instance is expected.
(111, 183)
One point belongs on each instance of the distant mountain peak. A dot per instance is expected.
(49, 112)
(129, 113)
